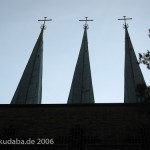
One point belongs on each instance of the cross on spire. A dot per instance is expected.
(44, 26)
(124, 18)
(86, 25)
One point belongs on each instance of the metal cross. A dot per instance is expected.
(125, 20)
(44, 21)
(86, 25)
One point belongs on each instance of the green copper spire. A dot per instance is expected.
(29, 90)
(133, 78)
(82, 89)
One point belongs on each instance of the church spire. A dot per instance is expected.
(29, 90)
(134, 81)
(82, 89)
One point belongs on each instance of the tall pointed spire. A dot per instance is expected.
(134, 80)
(29, 90)
(82, 89)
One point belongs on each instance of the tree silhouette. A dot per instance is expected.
(143, 90)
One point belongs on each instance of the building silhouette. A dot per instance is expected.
(81, 124)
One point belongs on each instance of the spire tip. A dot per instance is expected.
(125, 25)
(85, 26)
(43, 25)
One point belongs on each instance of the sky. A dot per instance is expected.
(19, 30)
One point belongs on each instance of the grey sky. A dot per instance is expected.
(19, 30)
